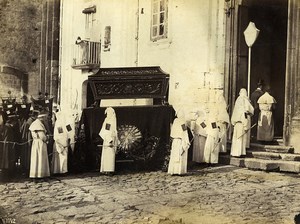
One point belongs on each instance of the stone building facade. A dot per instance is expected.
(200, 43)
(29, 47)
(20, 45)
(187, 42)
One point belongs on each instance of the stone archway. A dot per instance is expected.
(14, 80)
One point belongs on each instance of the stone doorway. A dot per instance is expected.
(268, 61)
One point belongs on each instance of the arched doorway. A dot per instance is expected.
(87, 98)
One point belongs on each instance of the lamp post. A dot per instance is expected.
(251, 34)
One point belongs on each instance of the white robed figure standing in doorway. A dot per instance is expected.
(61, 145)
(180, 145)
(265, 128)
(39, 163)
(109, 135)
(241, 121)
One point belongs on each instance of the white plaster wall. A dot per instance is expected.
(72, 26)
(194, 47)
(193, 50)
(66, 41)
(121, 16)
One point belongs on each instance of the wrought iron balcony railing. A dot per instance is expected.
(86, 55)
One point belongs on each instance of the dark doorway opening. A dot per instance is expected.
(268, 60)
(87, 99)
(89, 96)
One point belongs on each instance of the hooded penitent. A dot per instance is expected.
(109, 135)
(180, 145)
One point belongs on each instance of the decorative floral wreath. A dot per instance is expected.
(129, 136)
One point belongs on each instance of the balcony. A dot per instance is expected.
(86, 55)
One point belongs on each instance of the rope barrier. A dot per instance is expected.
(18, 143)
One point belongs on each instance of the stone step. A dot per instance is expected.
(273, 155)
(261, 164)
(272, 148)
(263, 155)
(281, 149)
(289, 166)
(290, 157)
(226, 159)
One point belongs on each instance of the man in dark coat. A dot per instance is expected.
(7, 147)
(258, 92)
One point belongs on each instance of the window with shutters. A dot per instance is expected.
(90, 20)
(159, 20)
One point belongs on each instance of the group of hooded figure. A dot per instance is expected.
(210, 127)
(209, 136)
(64, 141)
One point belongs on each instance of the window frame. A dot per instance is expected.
(90, 20)
(158, 23)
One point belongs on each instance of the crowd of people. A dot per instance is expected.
(38, 142)
(35, 137)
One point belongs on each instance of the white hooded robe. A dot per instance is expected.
(241, 120)
(39, 163)
(109, 135)
(180, 146)
(61, 144)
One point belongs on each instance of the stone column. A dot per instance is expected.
(292, 99)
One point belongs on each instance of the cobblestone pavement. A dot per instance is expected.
(222, 194)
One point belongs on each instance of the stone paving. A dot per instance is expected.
(222, 194)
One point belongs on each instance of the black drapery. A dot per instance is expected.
(149, 124)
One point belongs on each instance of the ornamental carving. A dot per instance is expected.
(129, 82)
(122, 88)
(131, 71)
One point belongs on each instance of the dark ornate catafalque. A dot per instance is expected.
(143, 131)
(130, 83)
